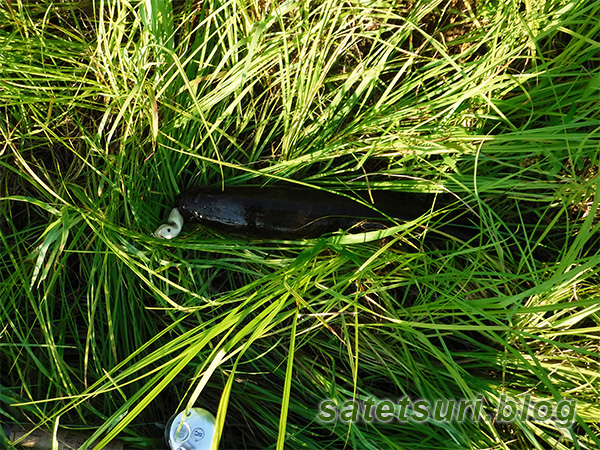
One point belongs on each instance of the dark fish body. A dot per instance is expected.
(275, 212)
(292, 213)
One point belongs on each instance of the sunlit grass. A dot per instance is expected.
(111, 109)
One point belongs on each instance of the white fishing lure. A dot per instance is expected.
(172, 228)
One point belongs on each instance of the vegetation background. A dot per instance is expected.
(109, 109)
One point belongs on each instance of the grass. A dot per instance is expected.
(110, 109)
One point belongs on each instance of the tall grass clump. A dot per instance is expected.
(109, 110)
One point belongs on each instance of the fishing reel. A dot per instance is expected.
(194, 430)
